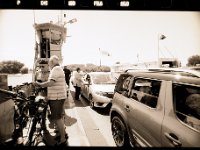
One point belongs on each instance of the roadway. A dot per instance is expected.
(85, 126)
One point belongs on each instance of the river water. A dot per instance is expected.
(18, 79)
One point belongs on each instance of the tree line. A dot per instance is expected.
(12, 67)
(89, 67)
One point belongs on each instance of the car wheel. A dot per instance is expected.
(91, 102)
(119, 132)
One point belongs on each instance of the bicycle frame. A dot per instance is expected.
(35, 131)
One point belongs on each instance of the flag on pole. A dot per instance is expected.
(105, 53)
(162, 37)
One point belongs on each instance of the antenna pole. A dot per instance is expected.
(33, 74)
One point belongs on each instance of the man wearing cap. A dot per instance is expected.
(43, 73)
(41, 76)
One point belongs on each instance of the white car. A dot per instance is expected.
(98, 88)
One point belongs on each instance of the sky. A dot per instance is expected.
(128, 36)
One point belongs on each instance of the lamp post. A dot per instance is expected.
(160, 37)
(70, 21)
(100, 57)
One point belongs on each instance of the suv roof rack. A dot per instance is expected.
(173, 71)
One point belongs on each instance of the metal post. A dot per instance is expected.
(158, 46)
(100, 56)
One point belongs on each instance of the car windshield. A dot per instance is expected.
(103, 79)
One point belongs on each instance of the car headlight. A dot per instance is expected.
(100, 93)
(106, 94)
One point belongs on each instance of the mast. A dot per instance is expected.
(36, 50)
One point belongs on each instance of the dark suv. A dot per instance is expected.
(156, 109)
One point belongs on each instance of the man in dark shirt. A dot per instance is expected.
(67, 76)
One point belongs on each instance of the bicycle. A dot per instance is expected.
(27, 110)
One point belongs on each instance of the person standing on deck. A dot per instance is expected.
(77, 83)
(67, 77)
(56, 95)
(41, 76)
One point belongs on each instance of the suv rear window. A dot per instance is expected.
(143, 90)
(187, 104)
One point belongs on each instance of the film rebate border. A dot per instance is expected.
(179, 5)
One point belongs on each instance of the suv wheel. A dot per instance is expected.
(119, 132)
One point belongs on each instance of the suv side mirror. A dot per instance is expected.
(125, 92)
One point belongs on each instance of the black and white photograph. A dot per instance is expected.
(99, 78)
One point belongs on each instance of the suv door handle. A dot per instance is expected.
(173, 139)
(126, 107)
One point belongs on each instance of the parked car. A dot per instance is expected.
(156, 109)
(98, 88)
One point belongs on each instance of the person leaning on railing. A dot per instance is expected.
(41, 76)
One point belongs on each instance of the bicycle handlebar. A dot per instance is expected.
(13, 94)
